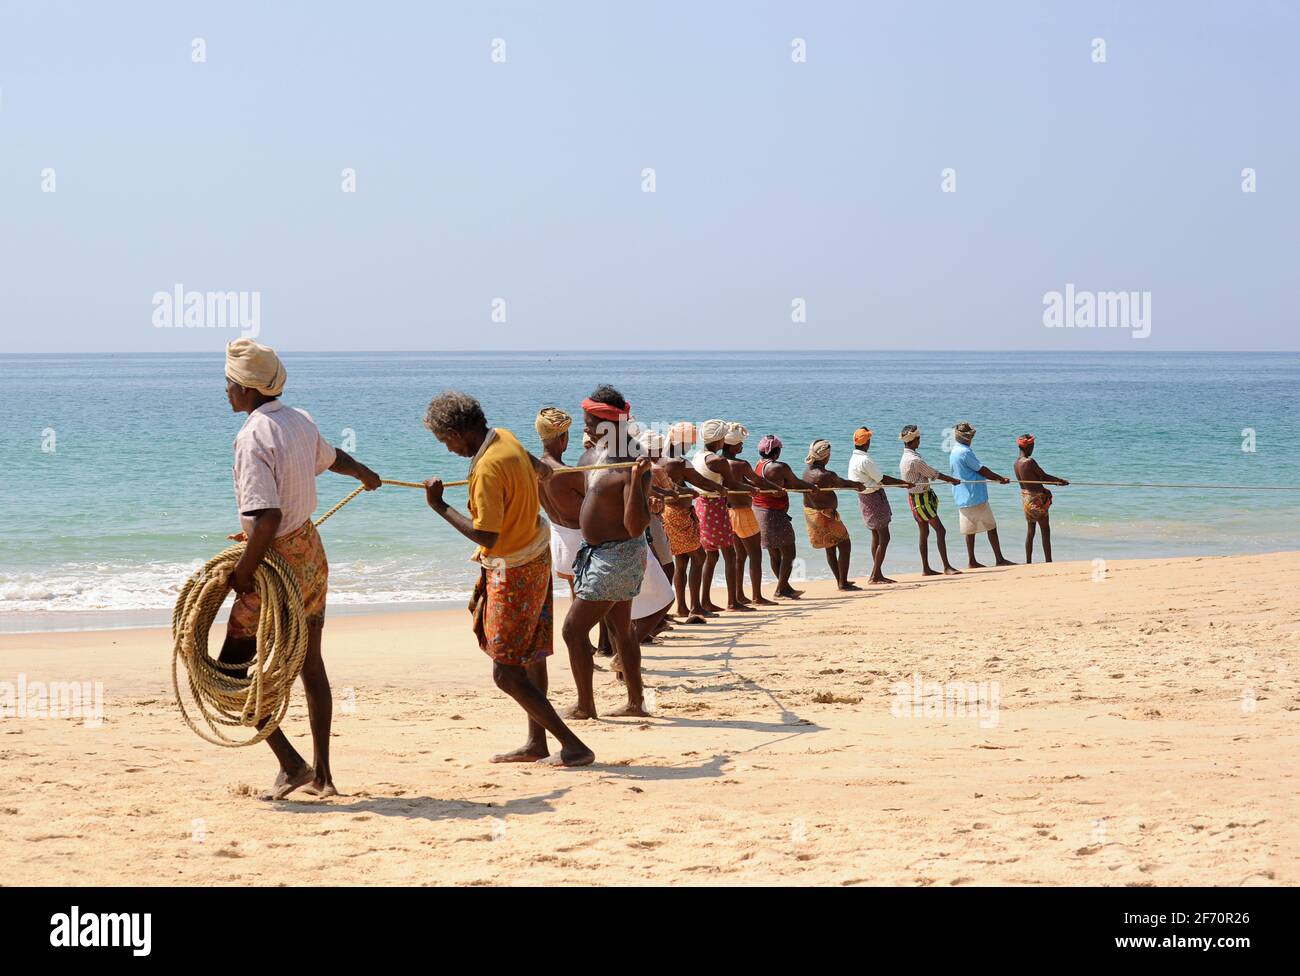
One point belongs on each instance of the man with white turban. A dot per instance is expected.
(278, 454)
(716, 535)
(744, 524)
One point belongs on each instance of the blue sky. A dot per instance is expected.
(775, 180)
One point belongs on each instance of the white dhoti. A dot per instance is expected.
(564, 549)
(977, 518)
(656, 591)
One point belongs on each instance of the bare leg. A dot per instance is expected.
(844, 551)
(970, 554)
(733, 580)
(320, 711)
(697, 582)
(534, 747)
(516, 682)
(784, 559)
(879, 543)
(1029, 542)
(582, 616)
(628, 651)
(706, 581)
(924, 531)
(1047, 540)
(679, 583)
(998, 558)
(941, 540)
(755, 552)
(294, 771)
(740, 553)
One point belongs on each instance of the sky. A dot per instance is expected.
(500, 153)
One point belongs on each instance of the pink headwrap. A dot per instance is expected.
(768, 444)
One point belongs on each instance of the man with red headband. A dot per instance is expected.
(611, 561)
(1035, 497)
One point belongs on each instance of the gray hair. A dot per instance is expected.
(454, 412)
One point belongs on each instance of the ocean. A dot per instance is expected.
(117, 467)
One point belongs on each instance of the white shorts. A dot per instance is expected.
(976, 519)
(564, 548)
(656, 592)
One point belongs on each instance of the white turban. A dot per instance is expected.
(818, 450)
(713, 430)
(652, 442)
(255, 367)
(736, 434)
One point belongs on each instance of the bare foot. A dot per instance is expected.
(949, 571)
(694, 618)
(975, 565)
(629, 709)
(740, 608)
(285, 784)
(763, 601)
(317, 788)
(850, 585)
(882, 579)
(528, 752)
(578, 713)
(789, 593)
(929, 572)
(570, 756)
(709, 608)
(1004, 562)
(743, 599)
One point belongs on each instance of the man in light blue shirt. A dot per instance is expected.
(972, 500)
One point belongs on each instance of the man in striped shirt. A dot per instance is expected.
(922, 500)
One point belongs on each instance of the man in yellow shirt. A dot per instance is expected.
(512, 603)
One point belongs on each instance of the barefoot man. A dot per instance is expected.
(1035, 498)
(512, 602)
(611, 563)
(821, 513)
(278, 454)
(776, 531)
(561, 493)
(716, 534)
(922, 500)
(873, 503)
(744, 524)
(682, 524)
(974, 514)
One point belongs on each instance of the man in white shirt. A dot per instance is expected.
(922, 500)
(872, 501)
(278, 454)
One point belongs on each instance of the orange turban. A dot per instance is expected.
(861, 437)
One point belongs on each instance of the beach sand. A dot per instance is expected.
(1145, 733)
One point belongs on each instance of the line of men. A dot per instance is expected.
(619, 535)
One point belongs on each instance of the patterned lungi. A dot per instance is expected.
(303, 551)
(611, 571)
(825, 529)
(775, 529)
(514, 617)
(875, 508)
(715, 524)
(1036, 504)
(683, 529)
(743, 523)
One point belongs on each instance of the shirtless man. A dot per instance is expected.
(776, 532)
(611, 561)
(716, 534)
(744, 525)
(682, 524)
(1035, 498)
(821, 513)
(560, 494)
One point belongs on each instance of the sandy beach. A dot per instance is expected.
(1136, 730)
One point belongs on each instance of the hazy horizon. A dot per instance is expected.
(827, 177)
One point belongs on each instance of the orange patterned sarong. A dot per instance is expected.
(825, 527)
(513, 610)
(303, 551)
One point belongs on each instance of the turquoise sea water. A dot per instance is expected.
(117, 475)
